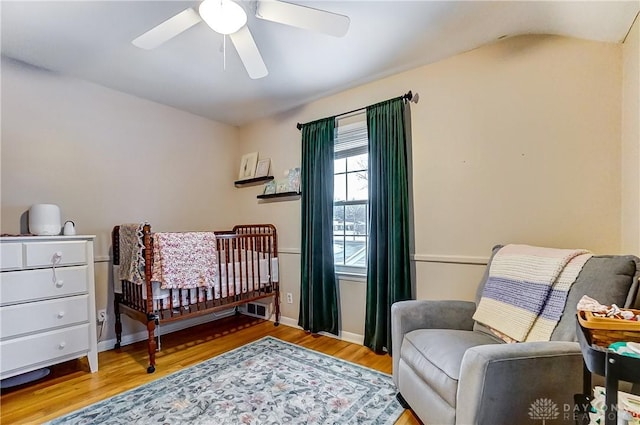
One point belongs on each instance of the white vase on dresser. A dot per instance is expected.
(47, 302)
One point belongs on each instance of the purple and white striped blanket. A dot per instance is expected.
(527, 289)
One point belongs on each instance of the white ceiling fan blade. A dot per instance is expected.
(249, 53)
(168, 29)
(303, 17)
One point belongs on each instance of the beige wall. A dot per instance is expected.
(107, 158)
(518, 141)
(631, 141)
(515, 142)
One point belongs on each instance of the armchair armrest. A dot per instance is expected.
(500, 381)
(407, 316)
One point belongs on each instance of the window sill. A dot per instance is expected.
(351, 276)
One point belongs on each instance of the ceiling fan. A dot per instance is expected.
(228, 17)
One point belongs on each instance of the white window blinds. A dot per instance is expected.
(351, 139)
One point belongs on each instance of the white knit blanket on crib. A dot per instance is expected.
(131, 245)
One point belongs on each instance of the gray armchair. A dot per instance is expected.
(451, 370)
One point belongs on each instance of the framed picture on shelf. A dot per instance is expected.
(269, 188)
(248, 166)
(282, 186)
(294, 179)
(262, 169)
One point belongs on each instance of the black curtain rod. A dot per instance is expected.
(406, 96)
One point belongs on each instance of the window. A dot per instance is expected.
(351, 196)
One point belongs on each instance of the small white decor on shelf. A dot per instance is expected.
(270, 188)
(282, 186)
(290, 182)
(294, 179)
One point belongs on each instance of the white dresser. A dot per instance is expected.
(47, 302)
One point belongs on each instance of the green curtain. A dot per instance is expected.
(388, 264)
(318, 291)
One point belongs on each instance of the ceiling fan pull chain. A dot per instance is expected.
(224, 52)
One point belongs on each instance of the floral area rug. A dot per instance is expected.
(268, 381)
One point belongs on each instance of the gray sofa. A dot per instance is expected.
(451, 370)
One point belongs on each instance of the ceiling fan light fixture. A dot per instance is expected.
(223, 16)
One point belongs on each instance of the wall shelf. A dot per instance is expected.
(252, 182)
(284, 196)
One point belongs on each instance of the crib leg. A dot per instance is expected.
(116, 310)
(276, 301)
(151, 326)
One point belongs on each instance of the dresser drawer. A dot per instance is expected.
(32, 285)
(22, 319)
(11, 256)
(45, 347)
(46, 254)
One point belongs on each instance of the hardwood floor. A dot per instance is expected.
(70, 386)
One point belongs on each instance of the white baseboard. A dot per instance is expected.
(344, 336)
(165, 329)
(109, 344)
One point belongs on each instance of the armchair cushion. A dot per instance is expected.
(407, 316)
(436, 356)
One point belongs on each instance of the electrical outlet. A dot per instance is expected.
(289, 298)
(102, 315)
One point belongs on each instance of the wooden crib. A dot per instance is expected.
(247, 271)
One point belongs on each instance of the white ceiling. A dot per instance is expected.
(91, 40)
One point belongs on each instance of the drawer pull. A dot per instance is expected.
(57, 257)
(62, 345)
(61, 315)
(59, 283)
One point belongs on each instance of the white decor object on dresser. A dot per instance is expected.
(47, 302)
